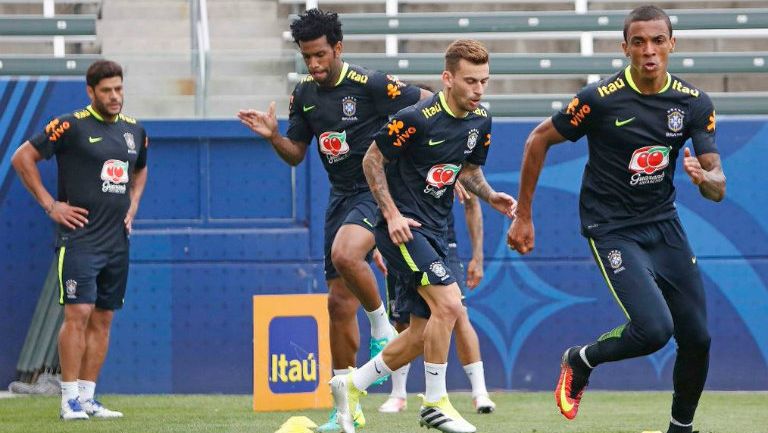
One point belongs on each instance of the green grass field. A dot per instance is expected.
(518, 412)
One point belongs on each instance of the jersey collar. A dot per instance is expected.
(628, 76)
(98, 116)
(343, 74)
(444, 104)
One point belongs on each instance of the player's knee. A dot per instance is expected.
(657, 335)
(343, 260)
(449, 311)
(698, 343)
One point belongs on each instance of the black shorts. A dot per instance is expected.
(420, 262)
(652, 273)
(395, 308)
(346, 208)
(88, 277)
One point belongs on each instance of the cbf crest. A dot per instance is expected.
(349, 108)
(675, 118)
(130, 142)
(614, 258)
(438, 269)
(472, 139)
(71, 286)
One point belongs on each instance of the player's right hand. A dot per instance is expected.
(70, 217)
(264, 124)
(520, 236)
(400, 229)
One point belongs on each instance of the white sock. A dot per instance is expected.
(399, 380)
(86, 388)
(380, 327)
(340, 371)
(476, 376)
(434, 375)
(370, 372)
(68, 392)
(678, 423)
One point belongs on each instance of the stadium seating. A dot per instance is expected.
(45, 65)
(457, 23)
(60, 25)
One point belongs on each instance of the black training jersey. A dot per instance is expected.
(344, 118)
(427, 146)
(96, 159)
(634, 140)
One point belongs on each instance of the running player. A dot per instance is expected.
(412, 166)
(101, 156)
(636, 123)
(467, 343)
(342, 105)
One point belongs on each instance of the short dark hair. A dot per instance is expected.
(316, 23)
(467, 49)
(646, 13)
(102, 69)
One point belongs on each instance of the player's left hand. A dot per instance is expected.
(503, 203)
(128, 221)
(378, 260)
(474, 273)
(693, 168)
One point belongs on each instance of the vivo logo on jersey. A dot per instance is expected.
(114, 173)
(578, 113)
(646, 161)
(334, 145)
(293, 354)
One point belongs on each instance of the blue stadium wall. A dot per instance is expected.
(223, 219)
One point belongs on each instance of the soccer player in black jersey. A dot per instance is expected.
(341, 105)
(636, 123)
(412, 166)
(101, 156)
(467, 342)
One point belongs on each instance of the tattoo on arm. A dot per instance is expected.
(373, 167)
(474, 181)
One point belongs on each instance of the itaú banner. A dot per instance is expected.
(291, 352)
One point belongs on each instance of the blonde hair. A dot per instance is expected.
(467, 49)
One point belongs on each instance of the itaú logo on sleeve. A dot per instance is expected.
(334, 145)
(440, 176)
(293, 354)
(646, 161)
(114, 173)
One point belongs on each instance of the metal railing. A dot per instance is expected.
(201, 48)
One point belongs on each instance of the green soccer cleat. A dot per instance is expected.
(376, 346)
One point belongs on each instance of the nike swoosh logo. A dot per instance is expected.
(566, 405)
(365, 220)
(432, 373)
(308, 108)
(434, 143)
(376, 367)
(95, 139)
(620, 123)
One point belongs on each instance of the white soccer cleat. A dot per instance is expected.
(442, 416)
(393, 405)
(483, 404)
(345, 399)
(96, 410)
(72, 410)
